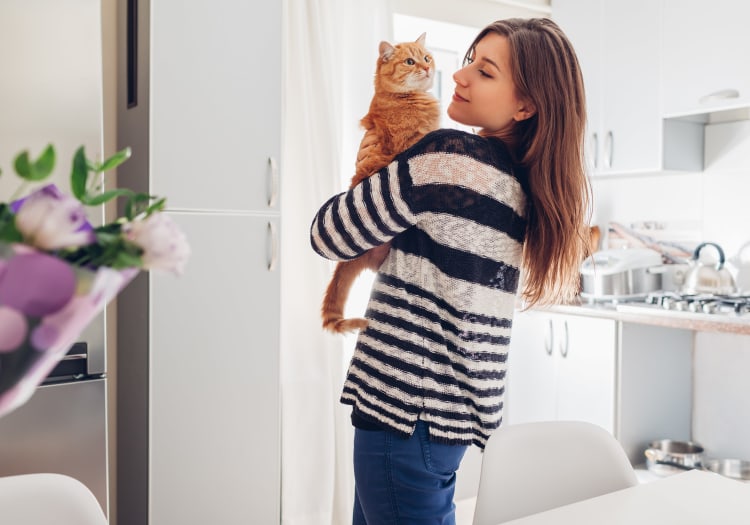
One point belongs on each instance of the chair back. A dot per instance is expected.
(532, 467)
(46, 499)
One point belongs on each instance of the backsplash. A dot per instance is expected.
(716, 200)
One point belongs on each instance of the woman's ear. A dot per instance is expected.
(526, 110)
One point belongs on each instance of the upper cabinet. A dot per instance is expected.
(621, 75)
(705, 45)
(618, 44)
(215, 104)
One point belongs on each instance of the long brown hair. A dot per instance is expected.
(549, 145)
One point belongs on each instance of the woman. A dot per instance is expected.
(465, 213)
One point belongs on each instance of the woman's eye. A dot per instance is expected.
(482, 72)
(410, 61)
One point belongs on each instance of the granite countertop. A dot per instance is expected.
(653, 315)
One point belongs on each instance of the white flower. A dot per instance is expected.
(50, 220)
(164, 245)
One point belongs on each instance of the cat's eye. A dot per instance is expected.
(427, 59)
(410, 61)
(468, 61)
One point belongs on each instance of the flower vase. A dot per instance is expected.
(45, 304)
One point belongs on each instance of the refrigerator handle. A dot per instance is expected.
(132, 53)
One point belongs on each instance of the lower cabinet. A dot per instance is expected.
(633, 380)
(214, 429)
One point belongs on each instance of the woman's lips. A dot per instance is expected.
(458, 98)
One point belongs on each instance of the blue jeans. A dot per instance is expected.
(401, 481)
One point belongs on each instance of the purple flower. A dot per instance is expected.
(49, 220)
(164, 245)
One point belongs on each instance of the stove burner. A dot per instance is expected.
(700, 303)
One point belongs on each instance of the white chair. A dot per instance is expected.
(48, 499)
(533, 467)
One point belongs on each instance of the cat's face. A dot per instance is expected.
(405, 67)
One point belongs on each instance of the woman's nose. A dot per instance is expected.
(458, 77)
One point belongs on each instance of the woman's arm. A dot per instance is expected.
(368, 215)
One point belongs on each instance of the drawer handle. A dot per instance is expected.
(724, 94)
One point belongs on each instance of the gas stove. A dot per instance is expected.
(703, 306)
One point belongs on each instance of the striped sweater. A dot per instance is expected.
(440, 312)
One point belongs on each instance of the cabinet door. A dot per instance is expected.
(531, 380)
(214, 425)
(705, 56)
(215, 101)
(621, 72)
(581, 20)
(586, 368)
(630, 104)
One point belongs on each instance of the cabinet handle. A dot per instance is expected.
(595, 140)
(609, 146)
(565, 343)
(549, 339)
(723, 94)
(272, 248)
(273, 185)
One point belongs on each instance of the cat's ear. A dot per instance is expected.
(421, 39)
(386, 50)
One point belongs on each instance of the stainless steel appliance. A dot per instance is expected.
(702, 307)
(51, 58)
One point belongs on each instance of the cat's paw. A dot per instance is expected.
(342, 326)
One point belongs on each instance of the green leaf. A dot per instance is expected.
(94, 200)
(37, 170)
(115, 160)
(44, 165)
(22, 165)
(79, 174)
(137, 204)
(8, 231)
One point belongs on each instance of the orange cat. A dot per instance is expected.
(401, 112)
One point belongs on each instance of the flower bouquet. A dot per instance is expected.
(57, 271)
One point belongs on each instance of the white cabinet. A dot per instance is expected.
(633, 380)
(214, 396)
(618, 43)
(198, 355)
(705, 56)
(215, 98)
(561, 367)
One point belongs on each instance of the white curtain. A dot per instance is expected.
(330, 52)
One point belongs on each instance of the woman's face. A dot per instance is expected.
(485, 96)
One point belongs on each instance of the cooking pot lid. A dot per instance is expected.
(608, 262)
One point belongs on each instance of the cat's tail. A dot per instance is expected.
(344, 275)
(332, 310)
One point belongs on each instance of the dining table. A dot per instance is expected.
(695, 497)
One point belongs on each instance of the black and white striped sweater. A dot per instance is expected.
(440, 312)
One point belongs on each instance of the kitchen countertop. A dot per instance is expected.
(653, 315)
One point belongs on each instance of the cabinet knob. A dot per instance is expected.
(273, 183)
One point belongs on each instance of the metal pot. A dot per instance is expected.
(732, 468)
(621, 274)
(666, 456)
(708, 278)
